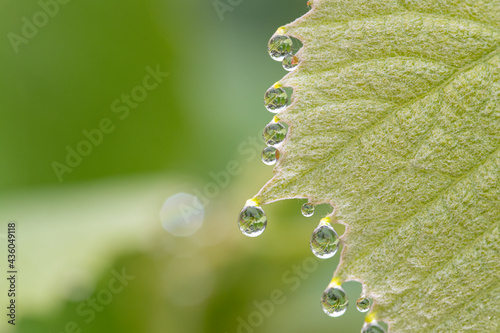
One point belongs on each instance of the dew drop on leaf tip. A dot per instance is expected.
(252, 220)
(334, 300)
(324, 240)
(274, 134)
(270, 155)
(307, 209)
(363, 304)
(276, 98)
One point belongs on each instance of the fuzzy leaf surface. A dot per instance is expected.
(395, 120)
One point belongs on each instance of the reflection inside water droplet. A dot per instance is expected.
(279, 46)
(252, 221)
(274, 134)
(324, 240)
(334, 301)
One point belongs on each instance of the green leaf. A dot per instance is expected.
(395, 121)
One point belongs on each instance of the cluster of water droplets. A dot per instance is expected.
(274, 134)
(324, 240)
(281, 48)
(334, 302)
(276, 98)
(252, 220)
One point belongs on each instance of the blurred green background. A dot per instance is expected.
(100, 217)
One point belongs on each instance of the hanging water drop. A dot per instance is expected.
(274, 134)
(363, 304)
(334, 300)
(372, 328)
(307, 210)
(270, 155)
(324, 240)
(290, 62)
(252, 220)
(275, 98)
(279, 46)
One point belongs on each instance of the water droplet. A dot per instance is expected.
(279, 46)
(290, 62)
(270, 155)
(274, 134)
(275, 99)
(252, 220)
(334, 301)
(363, 304)
(373, 328)
(307, 210)
(324, 240)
